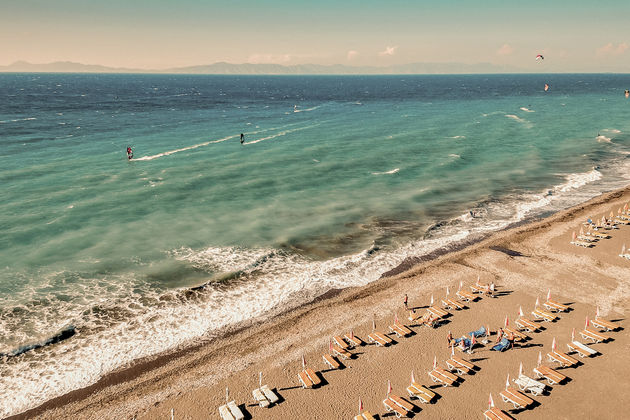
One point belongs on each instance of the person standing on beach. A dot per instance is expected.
(405, 301)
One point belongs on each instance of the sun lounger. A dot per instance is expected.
(552, 376)
(403, 328)
(420, 392)
(339, 352)
(554, 306)
(502, 345)
(562, 358)
(604, 324)
(478, 288)
(313, 376)
(390, 405)
(620, 221)
(452, 304)
(599, 235)
(269, 394)
(526, 324)
(437, 312)
(397, 330)
(518, 336)
(586, 238)
(582, 244)
(305, 380)
(466, 296)
(581, 349)
(517, 399)
(260, 398)
(544, 315)
(330, 361)
(496, 414)
(527, 384)
(401, 402)
(380, 339)
(441, 376)
(461, 366)
(353, 340)
(225, 413)
(340, 343)
(236, 412)
(594, 336)
(366, 415)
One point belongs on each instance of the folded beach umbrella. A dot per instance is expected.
(548, 294)
(396, 318)
(507, 321)
(520, 311)
(553, 344)
(373, 325)
(172, 414)
(490, 402)
(389, 387)
(597, 312)
(573, 334)
(303, 362)
(507, 382)
(452, 350)
(352, 334)
(586, 323)
(447, 292)
(434, 362)
(612, 214)
(478, 278)
(413, 379)
(539, 361)
(623, 249)
(431, 299)
(227, 394)
(259, 379)
(360, 405)
(461, 284)
(574, 236)
(537, 303)
(520, 370)
(581, 231)
(330, 346)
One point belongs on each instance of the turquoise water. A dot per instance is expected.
(339, 180)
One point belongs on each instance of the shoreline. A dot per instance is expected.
(148, 377)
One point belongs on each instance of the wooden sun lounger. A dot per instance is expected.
(496, 414)
(313, 376)
(401, 402)
(439, 375)
(305, 380)
(518, 336)
(390, 405)
(622, 221)
(269, 394)
(236, 412)
(460, 365)
(604, 324)
(437, 312)
(526, 324)
(527, 384)
(366, 415)
(564, 359)
(339, 352)
(552, 376)
(379, 338)
(582, 244)
(544, 315)
(260, 398)
(420, 392)
(518, 400)
(599, 235)
(330, 361)
(340, 343)
(452, 304)
(466, 296)
(353, 341)
(581, 349)
(403, 328)
(594, 336)
(398, 331)
(586, 238)
(478, 288)
(552, 305)
(225, 413)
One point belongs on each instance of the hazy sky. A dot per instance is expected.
(573, 35)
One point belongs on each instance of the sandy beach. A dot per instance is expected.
(524, 262)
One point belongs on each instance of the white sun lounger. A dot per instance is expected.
(582, 349)
(269, 394)
(339, 352)
(260, 398)
(527, 384)
(225, 413)
(236, 412)
(353, 340)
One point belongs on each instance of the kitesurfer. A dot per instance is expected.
(627, 93)
(129, 153)
(242, 138)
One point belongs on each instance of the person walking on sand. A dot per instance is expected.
(405, 301)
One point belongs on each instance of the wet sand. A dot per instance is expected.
(524, 262)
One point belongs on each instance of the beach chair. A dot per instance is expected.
(366, 415)
(583, 244)
(379, 339)
(502, 345)
(437, 312)
(460, 365)
(526, 324)
(517, 399)
(479, 288)
(518, 336)
(442, 377)
(260, 398)
(236, 412)
(552, 376)
(269, 394)
(225, 413)
(496, 414)
(604, 324)
(353, 340)
(452, 304)
(466, 296)
(420, 392)
(527, 384)
(312, 375)
(599, 235)
(305, 380)
(398, 331)
(401, 402)
(390, 405)
(340, 342)
(563, 359)
(330, 361)
(586, 238)
(554, 306)
(620, 221)
(544, 315)
(339, 352)
(403, 328)
(581, 349)
(594, 336)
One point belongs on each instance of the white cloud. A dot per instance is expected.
(352, 54)
(506, 49)
(269, 58)
(611, 49)
(388, 51)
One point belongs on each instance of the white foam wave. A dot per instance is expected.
(526, 109)
(281, 133)
(611, 130)
(454, 155)
(393, 171)
(18, 119)
(523, 121)
(456, 137)
(306, 109)
(603, 139)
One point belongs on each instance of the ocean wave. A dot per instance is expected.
(603, 139)
(393, 171)
(526, 109)
(279, 134)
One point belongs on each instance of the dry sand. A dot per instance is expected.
(524, 262)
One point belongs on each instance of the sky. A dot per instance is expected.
(572, 35)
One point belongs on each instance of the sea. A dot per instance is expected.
(106, 260)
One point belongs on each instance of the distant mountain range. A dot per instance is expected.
(247, 68)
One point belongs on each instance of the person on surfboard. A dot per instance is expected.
(129, 153)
